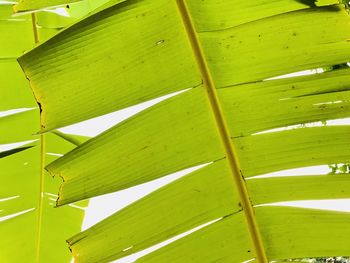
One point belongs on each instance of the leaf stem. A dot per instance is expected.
(224, 134)
(35, 29)
(42, 165)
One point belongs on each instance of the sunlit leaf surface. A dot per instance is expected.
(31, 230)
(243, 111)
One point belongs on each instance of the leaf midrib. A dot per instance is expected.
(42, 165)
(220, 121)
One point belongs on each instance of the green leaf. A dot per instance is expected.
(144, 145)
(107, 66)
(222, 56)
(32, 231)
(30, 5)
(16, 38)
(212, 15)
(292, 101)
(295, 148)
(223, 241)
(20, 178)
(289, 233)
(293, 188)
(253, 45)
(204, 195)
